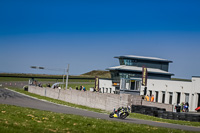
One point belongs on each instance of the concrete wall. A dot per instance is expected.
(94, 99)
(91, 99)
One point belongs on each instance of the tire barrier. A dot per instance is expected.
(162, 113)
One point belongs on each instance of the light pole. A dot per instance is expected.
(67, 76)
(67, 72)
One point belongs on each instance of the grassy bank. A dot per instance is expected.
(132, 115)
(44, 79)
(18, 120)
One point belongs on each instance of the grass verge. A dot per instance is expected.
(4, 79)
(151, 118)
(18, 120)
(132, 115)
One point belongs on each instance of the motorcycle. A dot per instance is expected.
(122, 114)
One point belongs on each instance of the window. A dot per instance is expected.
(186, 97)
(163, 97)
(178, 97)
(156, 96)
(170, 97)
(135, 85)
(129, 62)
(150, 93)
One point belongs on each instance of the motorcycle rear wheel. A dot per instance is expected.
(123, 116)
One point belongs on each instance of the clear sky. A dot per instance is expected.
(87, 34)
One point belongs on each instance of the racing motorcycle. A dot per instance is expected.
(120, 113)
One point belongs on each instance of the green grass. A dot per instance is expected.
(151, 118)
(44, 79)
(19, 120)
(132, 115)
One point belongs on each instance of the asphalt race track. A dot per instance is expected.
(13, 98)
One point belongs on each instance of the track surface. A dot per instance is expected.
(13, 98)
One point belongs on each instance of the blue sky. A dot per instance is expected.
(88, 34)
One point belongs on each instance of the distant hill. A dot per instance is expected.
(98, 73)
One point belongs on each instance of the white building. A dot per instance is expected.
(127, 78)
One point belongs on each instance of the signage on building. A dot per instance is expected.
(144, 76)
(97, 83)
(115, 84)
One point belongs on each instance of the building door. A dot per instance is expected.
(150, 93)
(135, 85)
(198, 103)
(132, 85)
(170, 97)
(178, 97)
(186, 97)
(163, 97)
(156, 96)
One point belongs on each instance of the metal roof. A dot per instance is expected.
(143, 58)
(139, 69)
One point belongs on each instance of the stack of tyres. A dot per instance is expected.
(136, 108)
(164, 115)
(175, 116)
(133, 108)
(161, 109)
(155, 113)
(188, 117)
(143, 111)
(160, 112)
(169, 115)
(151, 111)
(181, 116)
(195, 117)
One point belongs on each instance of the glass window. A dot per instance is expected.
(121, 61)
(170, 97)
(178, 97)
(163, 97)
(186, 97)
(156, 96)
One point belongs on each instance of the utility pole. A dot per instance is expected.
(67, 76)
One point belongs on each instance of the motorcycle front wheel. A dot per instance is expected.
(111, 115)
(123, 115)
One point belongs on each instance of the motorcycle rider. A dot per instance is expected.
(119, 111)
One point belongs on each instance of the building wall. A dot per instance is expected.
(106, 85)
(172, 87)
(169, 86)
(196, 91)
